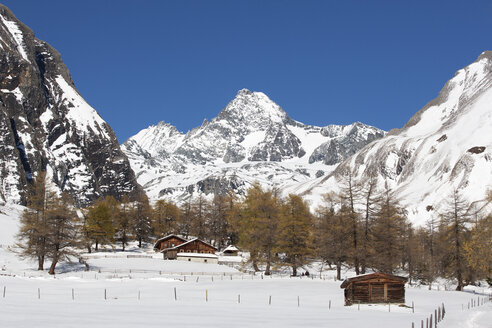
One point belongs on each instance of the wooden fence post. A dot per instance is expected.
(413, 307)
(329, 304)
(206, 295)
(39, 293)
(73, 295)
(239, 299)
(270, 300)
(104, 293)
(298, 302)
(175, 294)
(4, 289)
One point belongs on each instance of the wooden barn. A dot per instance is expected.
(173, 247)
(374, 288)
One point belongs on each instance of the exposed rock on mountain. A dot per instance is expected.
(446, 145)
(46, 124)
(252, 138)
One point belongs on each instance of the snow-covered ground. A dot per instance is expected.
(122, 290)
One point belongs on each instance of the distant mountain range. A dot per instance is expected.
(251, 139)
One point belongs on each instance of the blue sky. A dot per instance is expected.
(324, 62)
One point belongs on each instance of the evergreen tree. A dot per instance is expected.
(166, 218)
(368, 193)
(217, 223)
(388, 233)
(431, 251)
(123, 222)
(478, 249)
(295, 233)
(332, 233)
(141, 213)
(199, 214)
(455, 220)
(33, 223)
(258, 226)
(186, 213)
(350, 193)
(62, 236)
(233, 216)
(98, 225)
(48, 225)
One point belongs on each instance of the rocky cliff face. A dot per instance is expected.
(252, 138)
(447, 145)
(46, 125)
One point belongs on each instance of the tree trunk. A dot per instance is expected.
(139, 242)
(97, 244)
(294, 270)
(53, 265)
(41, 263)
(254, 260)
(459, 274)
(268, 262)
(356, 255)
(339, 270)
(267, 269)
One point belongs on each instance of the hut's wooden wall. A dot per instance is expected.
(375, 292)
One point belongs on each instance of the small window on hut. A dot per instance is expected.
(189, 260)
(205, 260)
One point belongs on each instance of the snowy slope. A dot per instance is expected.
(132, 292)
(251, 139)
(45, 124)
(447, 145)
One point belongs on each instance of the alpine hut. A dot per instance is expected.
(374, 288)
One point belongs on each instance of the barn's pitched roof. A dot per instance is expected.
(230, 248)
(186, 243)
(167, 237)
(370, 276)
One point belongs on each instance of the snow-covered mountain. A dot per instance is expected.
(252, 138)
(46, 124)
(447, 145)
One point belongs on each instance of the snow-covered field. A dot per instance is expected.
(150, 292)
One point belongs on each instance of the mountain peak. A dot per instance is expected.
(254, 108)
(486, 54)
(244, 92)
